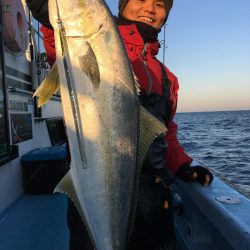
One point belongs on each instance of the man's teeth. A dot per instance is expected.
(146, 19)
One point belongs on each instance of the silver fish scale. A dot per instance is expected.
(108, 116)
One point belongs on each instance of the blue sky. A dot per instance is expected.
(208, 48)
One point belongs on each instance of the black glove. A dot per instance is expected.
(39, 10)
(185, 173)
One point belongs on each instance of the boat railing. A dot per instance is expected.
(214, 217)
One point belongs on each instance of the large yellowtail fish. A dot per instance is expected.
(109, 132)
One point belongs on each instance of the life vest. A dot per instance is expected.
(15, 28)
(159, 106)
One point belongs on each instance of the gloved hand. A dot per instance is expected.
(195, 174)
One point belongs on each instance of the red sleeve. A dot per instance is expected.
(49, 44)
(175, 155)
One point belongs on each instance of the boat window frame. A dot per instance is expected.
(11, 151)
(53, 136)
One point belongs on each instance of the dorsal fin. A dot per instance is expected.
(150, 127)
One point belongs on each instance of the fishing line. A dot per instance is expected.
(72, 91)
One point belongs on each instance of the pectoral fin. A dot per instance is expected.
(89, 66)
(48, 87)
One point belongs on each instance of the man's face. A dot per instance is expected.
(151, 12)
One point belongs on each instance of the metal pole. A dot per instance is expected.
(3, 84)
(164, 43)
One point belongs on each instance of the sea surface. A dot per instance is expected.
(220, 141)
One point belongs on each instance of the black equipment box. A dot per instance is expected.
(43, 168)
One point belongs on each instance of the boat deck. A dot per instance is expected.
(212, 218)
(35, 222)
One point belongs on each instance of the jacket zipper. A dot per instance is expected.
(146, 68)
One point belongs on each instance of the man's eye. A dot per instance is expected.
(161, 5)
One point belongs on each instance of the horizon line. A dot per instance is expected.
(207, 111)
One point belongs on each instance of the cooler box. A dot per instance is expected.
(43, 168)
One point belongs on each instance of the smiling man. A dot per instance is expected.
(153, 13)
(139, 23)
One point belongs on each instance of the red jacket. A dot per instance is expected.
(146, 67)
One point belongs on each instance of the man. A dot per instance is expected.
(139, 22)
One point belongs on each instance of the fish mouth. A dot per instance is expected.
(146, 19)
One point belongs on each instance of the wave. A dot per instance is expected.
(221, 141)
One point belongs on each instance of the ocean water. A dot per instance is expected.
(220, 141)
